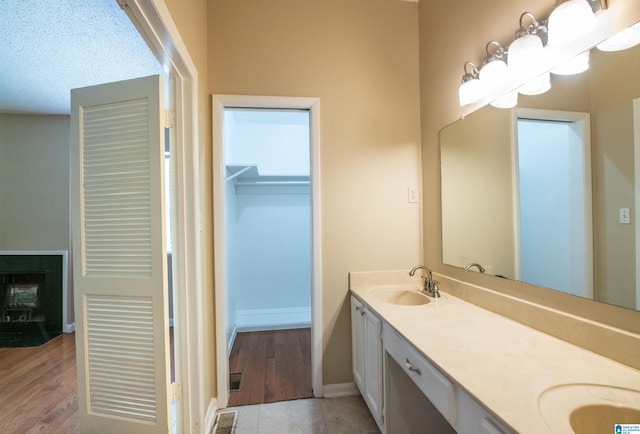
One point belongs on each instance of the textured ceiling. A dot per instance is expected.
(48, 47)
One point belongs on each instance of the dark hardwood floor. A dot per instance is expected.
(38, 388)
(275, 366)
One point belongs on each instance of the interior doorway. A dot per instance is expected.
(553, 190)
(268, 244)
(266, 226)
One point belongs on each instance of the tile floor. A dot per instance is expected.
(348, 415)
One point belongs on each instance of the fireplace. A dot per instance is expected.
(31, 296)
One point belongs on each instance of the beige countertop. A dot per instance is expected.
(505, 365)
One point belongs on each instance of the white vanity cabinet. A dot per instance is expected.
(366, 336)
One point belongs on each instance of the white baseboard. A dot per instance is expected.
(69, 328)
(210, 416)
(273, 319)
(339, 390)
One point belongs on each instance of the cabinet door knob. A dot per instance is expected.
(410, 367)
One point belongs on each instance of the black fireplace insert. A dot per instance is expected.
(30, 299)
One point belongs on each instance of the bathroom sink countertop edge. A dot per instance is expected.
(504, 364)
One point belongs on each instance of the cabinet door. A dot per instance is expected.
(373, 365)
(357, 342)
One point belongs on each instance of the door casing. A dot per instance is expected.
(219, 103)
(155, 23)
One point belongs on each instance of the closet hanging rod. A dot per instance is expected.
(268, 183)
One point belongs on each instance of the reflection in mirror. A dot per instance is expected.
(538, 227)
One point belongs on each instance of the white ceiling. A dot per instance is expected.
(48, 47)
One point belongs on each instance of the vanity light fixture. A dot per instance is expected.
(471, 89)
(629, 37)
(527, 51)
(494, 71)
(535, 48)
(568, 22)
(575, 65)
(506, 101)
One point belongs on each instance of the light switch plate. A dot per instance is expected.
(412, 195)
(625, 216)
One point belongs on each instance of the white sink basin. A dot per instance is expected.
(405, 297)
(588, 408)
(408, 295)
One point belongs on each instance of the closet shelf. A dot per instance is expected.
(248, 175)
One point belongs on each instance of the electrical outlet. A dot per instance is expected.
(412, 195)
(625, 216)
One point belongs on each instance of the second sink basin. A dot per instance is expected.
(600, 418)
(588, 408)
(405, 297)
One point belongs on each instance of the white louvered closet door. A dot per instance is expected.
(119, 252)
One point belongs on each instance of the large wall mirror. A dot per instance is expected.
(548, 193)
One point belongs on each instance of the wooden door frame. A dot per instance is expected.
(219, 103)
(154, 22)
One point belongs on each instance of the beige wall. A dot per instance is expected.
(360, 57)
(34, 185)
(34, 182)
(462, 28)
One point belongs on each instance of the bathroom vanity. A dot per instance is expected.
(447, 366)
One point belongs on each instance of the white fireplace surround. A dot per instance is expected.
(66, 326)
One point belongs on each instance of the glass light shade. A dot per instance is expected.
(627, 38)
(506, 101)
(536, 86)
(569, 21)
(493, 75)
(524, 53)
(576, 65)
(470, 91)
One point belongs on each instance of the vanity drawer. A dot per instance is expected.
(474, 419)
(435, 386)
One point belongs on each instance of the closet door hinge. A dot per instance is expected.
(169, 118)
(175, 391)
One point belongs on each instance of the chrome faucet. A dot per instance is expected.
(476, 265)
(430, 285)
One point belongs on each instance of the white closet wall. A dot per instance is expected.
(268, 220)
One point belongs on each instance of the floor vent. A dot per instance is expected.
(225, 423)
(234, 381)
